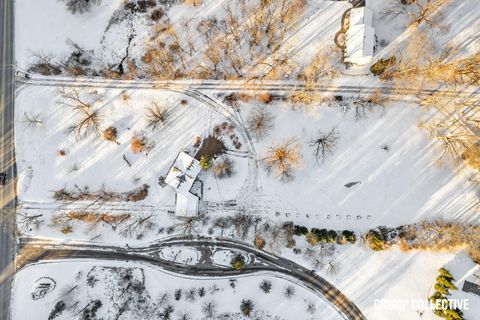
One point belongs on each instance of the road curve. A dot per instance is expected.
(50, 250)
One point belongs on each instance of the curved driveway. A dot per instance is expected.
(258, 261)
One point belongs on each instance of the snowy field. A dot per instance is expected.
(366, 276)
(103, 281)
(403, 184)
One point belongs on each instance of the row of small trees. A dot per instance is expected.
(443, 285)
(315, 235)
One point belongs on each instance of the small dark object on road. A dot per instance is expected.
(3, 178)
(351, 184)
(385, 148)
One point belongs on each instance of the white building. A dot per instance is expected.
(360, 38)
(181, 177)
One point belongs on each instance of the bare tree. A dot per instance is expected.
(138, 227)
(27, 221)
(156, 115)
(32, 120)
(188, 224)
(324, 144)
(89, 121)
(283, 158)
(260, 122)
(418, 10)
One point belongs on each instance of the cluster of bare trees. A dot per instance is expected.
(438, 235)
(456, 123)
(100, 196)
(245, 44)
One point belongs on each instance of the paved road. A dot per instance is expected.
(7, 154)
(41, 250)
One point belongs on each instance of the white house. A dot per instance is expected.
(360, 37)
(181, 177)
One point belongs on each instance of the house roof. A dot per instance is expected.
(181, 177)
(183, 173)
(360, 43)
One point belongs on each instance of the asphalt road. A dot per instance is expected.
(7, 155)
(40, 250)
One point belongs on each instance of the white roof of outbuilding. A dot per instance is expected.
(361, 15)
(360, 42)
(186, 205)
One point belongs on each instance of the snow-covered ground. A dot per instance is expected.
(372, 278)
(401, 185)
(392, 160)
(102, 280)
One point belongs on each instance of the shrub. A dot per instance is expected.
(472, 157)
(300, 230)
(223, 168)
(265, 97)
(81, 6)
(324, 235)
(311, 238)
(157, 14)
(238, 262)
(259, 242)
(349, 236)
(375, 240)
(67, 230)
(110, 134)
(379, 67)
(137, 144)
(205, 162)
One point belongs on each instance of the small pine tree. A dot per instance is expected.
(441, 289)
(444, 272)
(246, 307)
(289, 292)
(178, 294)
(446, 282)
(266, 286)
(238, 262)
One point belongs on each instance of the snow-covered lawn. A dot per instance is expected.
(401, 185)
(367, 277)
(108, 282)
(98, 163)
